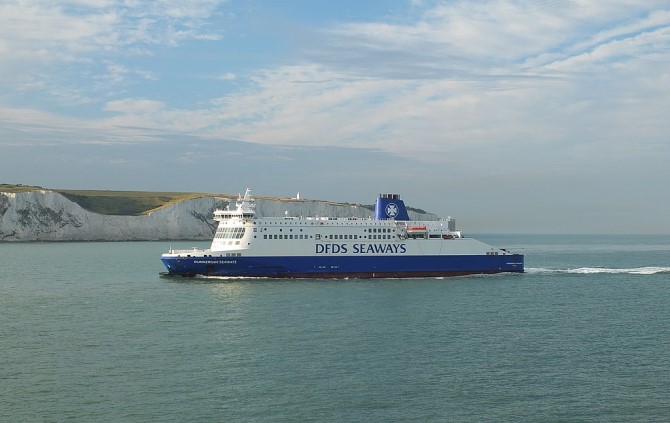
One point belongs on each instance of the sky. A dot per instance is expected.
(544, 116)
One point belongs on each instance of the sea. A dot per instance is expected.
(89, 332)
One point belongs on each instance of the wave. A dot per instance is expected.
(651, 270)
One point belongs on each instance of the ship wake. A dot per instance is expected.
(650, 270)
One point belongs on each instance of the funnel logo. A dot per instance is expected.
(391, 210)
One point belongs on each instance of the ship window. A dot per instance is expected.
(230, 233)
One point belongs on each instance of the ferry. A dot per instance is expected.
(386, 245)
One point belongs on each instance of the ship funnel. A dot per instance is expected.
(390, 206)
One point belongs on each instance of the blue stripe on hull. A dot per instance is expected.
(344, 266)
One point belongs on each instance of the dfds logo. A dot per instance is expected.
(331, 248)
(391, 210)
(389, 248)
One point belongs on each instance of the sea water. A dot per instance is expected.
(90, 332)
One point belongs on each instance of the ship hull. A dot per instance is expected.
(343, 267)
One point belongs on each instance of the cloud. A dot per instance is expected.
(451, 82)
(53, 42)
(468, 74)
(134, 106)
(228, 76)
(466, 79)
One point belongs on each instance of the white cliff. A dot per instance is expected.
(49, 216)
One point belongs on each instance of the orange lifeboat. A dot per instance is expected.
(416, 230)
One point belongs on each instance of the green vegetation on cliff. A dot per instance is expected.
(14, 188)
(126, 203)
(123, 203)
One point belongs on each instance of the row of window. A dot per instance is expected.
(282, 236)
(371, 230)
(229, 233)
(238, 233)
(319, 237)
(355, 237)
(314, 222)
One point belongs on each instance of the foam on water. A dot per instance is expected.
(650, 270)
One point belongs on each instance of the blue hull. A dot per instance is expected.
(344, 267)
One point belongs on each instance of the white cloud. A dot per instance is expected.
(467, 77)
(134, 106)
(228, 76)
(45, 40)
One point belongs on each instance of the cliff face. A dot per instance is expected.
(49, 216)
